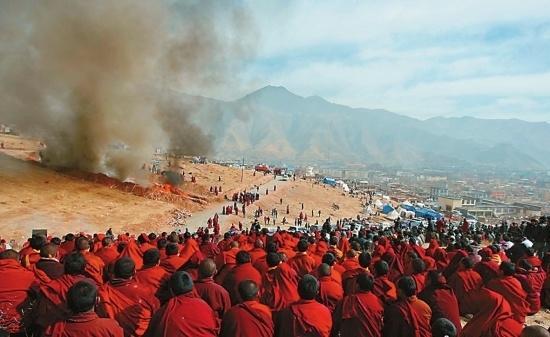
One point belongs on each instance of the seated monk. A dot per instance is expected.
(51, 305)
(361, 313)
(94, 265)
(492, 316)
(31, 254)
(242, 271)
(419, 274)
(532, 280)
(212, 293)
(463, 281)
(349, 277)
(442, 327)
(351, 258)
(184, 314)
(486, 268)
(208, 248)
(226, 261)
(305, 317)
(154, 276)
(383, 288)
(261, 263)
(123, 300)
(510, 288)
(258, 251)
(15, 287)
(302, 262)
(336, 269)
(408, 316)
(330, 292)
(441, 299)
(84, 322)
(279, 284)
(535, 331)
(108, 252)
(48, 264)
(173, 261)
(249, 318)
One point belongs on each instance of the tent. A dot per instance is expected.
(329, 181)
(387, 209)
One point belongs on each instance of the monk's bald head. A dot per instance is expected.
(82, 243)
(234, 244)
(49, 250)
(365, 259)
(9, 254)
(248, 290)
(207, 268)
(181, 283)
(308, 287)
(443, 327)
(124, 268)
(323, 270)
(259, 244)
(534, 331)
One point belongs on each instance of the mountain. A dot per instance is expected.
(273, 124)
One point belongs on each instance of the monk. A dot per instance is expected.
(383, 288)
(419, 274)
(279, 284)
(532, 280)
(250, 318)
(52, 306)
(154, 276)
(48, 263)
(486, 268)
(336, 269)
(94, 265)
(349, 277)
(84, 322)
(15, 285)
(244, 270)
(173, 261)
(226, 261)
(212, 293)
(330, 292)
(123, 300)
(108, 252)
(395, 266)
(534, 331)
(441, 299)
(361, 313)
(258, 251)
(185, 314)
(463, 281)
(492, 316)
(442, 327)
(510, 288)
(305, 317)
(31, 254)
(261, 263)
(408, 316)
(302, 263)
(208, 248)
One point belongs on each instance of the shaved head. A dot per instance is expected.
(248, 290)
(234, 244)
(535, 331)
(324, 270)
(207, 268)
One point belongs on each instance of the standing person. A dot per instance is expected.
(360, 314)
(184, 314)
(408, 316)
(305, 317)
(249, 318)
(84, 322)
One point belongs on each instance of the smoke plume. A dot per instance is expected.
(90, 78)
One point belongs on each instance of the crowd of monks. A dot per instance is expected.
(260, 284)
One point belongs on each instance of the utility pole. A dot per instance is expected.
(242, 171)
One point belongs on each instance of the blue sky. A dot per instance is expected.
(489, 59)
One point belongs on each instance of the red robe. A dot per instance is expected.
(349, 280)
(152, 277)
(305, 318)
(510, 288)
(420, 280)
(279, 287)
(531, 282)
(463, 282)
(442, 300)
(361, 315)
(52, 303)
(302, 263)
(256, 254)
(86, 324)
(225, 262)
(129, 304)
(384, 289)
(172, 263)
(184, 316)
(15, 284)
(492, 316)
(248, 319)
(238, 274)
(94, 267)
(408, 318)
(488, 270)
(330, 293)
(213, 294)
(107, 254)
(133, 251)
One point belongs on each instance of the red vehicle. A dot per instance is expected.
(262, 168)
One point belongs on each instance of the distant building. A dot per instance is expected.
(529, 210)
(498, 195)
(438, 191)
(477, 194)
(448, 203)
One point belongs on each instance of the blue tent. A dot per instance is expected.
(427, 213)
(409, 208)
(329, 181)
(387, 209)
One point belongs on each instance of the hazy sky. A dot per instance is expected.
(488, 58)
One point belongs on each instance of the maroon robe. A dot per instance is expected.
(248, 319)
(213, 294)
(86, 324)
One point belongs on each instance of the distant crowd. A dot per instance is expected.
(333, 281)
